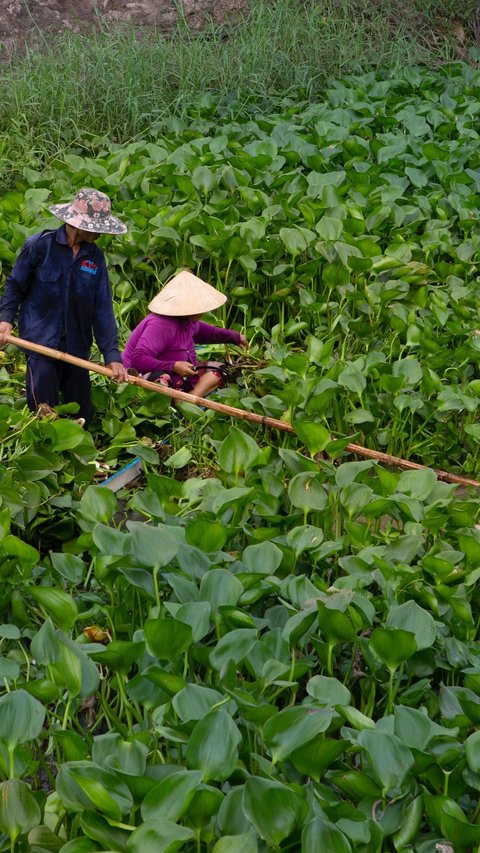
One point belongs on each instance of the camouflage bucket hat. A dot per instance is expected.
(90, 210)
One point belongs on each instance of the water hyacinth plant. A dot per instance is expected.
(260, 648)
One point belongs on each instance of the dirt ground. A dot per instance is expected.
(30, 21)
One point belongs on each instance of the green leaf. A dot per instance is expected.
(293, 727)
(329, 228)
(315, 757)
(334, 623)
(203, 179)
(19, 811)
(69, 566)
(42, 838)
(417, 484)
(57, 603)
(263, 559)
(295, 240)
(314, 435)
(68, 434)
(119, 655)
(25, 553)
(328, 691)
(159, 835)
(238, 452)
(418, 178)
(206, 534)
(220, 588)
(196, 614)
(306, 492)
(21, 718)
(112, 752)
(245, 843)
(167, 638)
(233, 646)
(319, 834)
(213, 746)
(172, 796)
(179, 459)
(411, 824)
(392, 646)
(97, 827)
(390, 759)
(98, 504)
(455, 826)
(195, 701)
(84, 785)
(472, 751)
(274, 809)
(206, 803)
(153, 545)
(411, 617)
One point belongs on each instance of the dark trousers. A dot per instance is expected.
(47, 380)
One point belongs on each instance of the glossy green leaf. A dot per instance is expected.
(69, 566)
(195, 701)
(172, 796)
(233, 646)
(273, 808)
(306, 492)
(263, 558)
(158, 835)
(19, 811)
(411, 617)
(84, 785)
(314, 435)
(153, 546)
(392, 646)
(213, 746)
(57, 603)
(320, 834)
(98, 504)
(238, 452)
(245, 843)
(390, 759)
(293, 727)
(167, 638)
(21, 718)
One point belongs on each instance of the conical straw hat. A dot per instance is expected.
(186, 295)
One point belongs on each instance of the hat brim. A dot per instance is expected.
(176, 306)
(101, 224)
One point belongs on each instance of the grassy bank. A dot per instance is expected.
(118, 83)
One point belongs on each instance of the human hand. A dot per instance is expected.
(184, 368)
(5, 329)
(119, 374)
(243, 341)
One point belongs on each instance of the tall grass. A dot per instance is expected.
(117, 83)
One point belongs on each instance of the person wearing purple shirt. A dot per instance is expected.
(163, 344)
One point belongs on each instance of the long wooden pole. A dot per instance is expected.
(231, 411)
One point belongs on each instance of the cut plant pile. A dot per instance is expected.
(282, 654)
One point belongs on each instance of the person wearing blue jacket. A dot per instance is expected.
(60, 290)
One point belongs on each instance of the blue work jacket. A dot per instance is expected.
(62, 301)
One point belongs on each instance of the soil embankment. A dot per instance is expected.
(32, 21)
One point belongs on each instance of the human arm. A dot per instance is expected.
(17, 286)
(5, 329)
(151, 346)
(205, 333)
(119, 374)
(184, 368)
(105, 327)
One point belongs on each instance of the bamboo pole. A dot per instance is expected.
(231, 411)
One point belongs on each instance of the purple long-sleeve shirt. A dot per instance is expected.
(158, 342)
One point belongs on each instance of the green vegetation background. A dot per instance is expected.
(117, 83)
